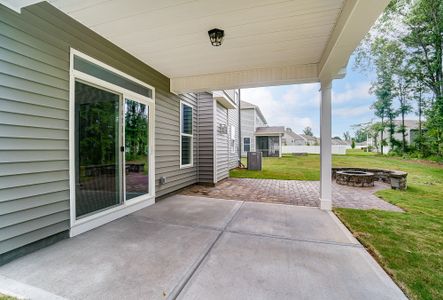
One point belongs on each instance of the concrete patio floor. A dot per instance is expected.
(194, 248)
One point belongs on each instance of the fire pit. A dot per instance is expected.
(355, 178)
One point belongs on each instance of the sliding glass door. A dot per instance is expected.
(112, 149)
(97, 154)
(136, 148)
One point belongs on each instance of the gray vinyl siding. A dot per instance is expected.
(222, 149)
(205, 138)
(233, 121)
(247, 127)
(34, 117)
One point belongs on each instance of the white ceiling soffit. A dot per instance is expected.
(17, 5)
(267, 42)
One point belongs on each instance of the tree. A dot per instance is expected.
(308, 131)
(419, 90)
(353, 144)
(347, 136)
(425, 39)
(402, 89)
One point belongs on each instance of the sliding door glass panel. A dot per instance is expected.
(136, 149)
(97, 153)
(273, 146)
(262, 145)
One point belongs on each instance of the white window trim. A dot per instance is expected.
(250, 143)
(78, 226)
(191, 164)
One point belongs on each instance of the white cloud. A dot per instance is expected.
(288, 110)
(359, 91)
(351, 111)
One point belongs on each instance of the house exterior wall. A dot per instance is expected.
(222, 145)
(34, 117)
(233, 122)
(205, 158)
(247, 128)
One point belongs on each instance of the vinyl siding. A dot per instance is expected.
(34, 117)
(222, 146)
(233, 121)
(205, 138)
(247, 127)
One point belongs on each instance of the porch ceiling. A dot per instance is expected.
(267, 42)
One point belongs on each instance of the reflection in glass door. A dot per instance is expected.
(136, 138)
(97, 155)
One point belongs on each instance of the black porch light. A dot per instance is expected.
(216, 36)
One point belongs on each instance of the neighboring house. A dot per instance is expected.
(311, 140)
(256, 134)
(268, 140)
(290, 138)
(76, 110)
(339, 142)
(411, 130)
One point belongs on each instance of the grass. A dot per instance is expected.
(4, 297)
(408, 245)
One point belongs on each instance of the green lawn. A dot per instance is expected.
(4, 297)
(408, 245)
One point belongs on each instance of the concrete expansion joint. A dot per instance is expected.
(188, 276)
(279, 237)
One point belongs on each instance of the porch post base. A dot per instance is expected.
(325, 204)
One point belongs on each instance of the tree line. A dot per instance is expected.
(404, 48)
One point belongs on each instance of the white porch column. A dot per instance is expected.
(325, 146)
(279, 145)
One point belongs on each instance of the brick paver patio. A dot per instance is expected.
(295, 192)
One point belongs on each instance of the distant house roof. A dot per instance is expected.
(309, 138)
(339, 142)
(411, 124)
(270, 130)
(293, 135)
(247, 105)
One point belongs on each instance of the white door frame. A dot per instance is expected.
(89, 222)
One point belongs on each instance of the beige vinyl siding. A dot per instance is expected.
(222, 145)
(205, 138)
(34, 117)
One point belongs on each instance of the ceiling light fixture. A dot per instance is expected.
(216, 36)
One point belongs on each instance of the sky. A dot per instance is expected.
(298, 106)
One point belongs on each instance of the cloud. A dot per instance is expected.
(359, 91)
(349, 112)
(303, 95)
(286, 106)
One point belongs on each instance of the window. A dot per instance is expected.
(186, 135)
(246, 144)
(232, 139)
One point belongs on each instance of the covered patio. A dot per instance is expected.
(198, 248)
(266, 43)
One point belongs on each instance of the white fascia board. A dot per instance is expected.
(246, 79)
(354, 22)
(17, 5)
(224, 100)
